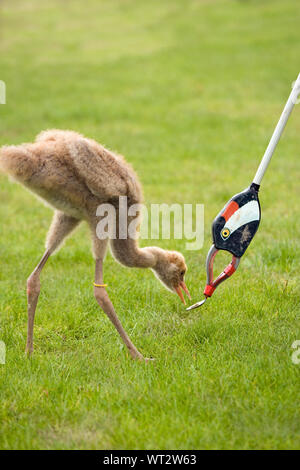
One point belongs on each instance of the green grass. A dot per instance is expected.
(189, 92)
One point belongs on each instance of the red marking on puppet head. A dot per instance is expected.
(230, 209)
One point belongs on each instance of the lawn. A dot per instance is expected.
(190, 93)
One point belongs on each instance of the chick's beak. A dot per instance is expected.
(183, 286)
(185, 289)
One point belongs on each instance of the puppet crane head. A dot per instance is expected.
(232, 230)
(236, 224)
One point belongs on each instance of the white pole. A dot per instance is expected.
(278, 131)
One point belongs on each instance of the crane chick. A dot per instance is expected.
(75, 175)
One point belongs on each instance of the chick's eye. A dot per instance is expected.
(182, 273)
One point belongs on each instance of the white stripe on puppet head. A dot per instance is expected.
(244, 215)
